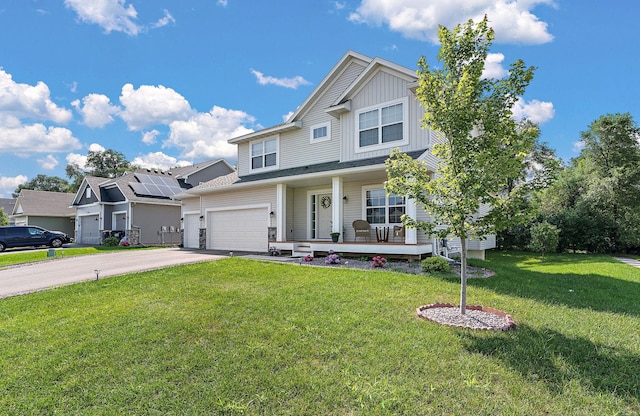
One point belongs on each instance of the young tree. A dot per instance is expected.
(483, 150)
(544, 237)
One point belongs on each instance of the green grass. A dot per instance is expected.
(30, 256)
(237, 336)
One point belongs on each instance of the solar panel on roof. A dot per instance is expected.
(154, 186)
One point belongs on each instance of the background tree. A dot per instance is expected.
(483, 150)
(44, 183)
(105, 164)
(4, 218)
(595, 201)
(544, 237)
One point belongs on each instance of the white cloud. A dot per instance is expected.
(81, 160)
(511, 20)
(49, 162)
(36, 138)
(111, 15)
(96, 110)
(539, 112)
(205, 135)
(151, 105)
(159, 160)
(293, 83)
(9, 184)
(149, 137)
(287, 116)
(222, 3)
(493, 66)
(167, 19)
(578, 146)
(27, 101)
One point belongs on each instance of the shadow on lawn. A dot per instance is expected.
(582, 289)
(552, 358)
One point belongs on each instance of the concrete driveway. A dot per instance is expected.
(17, 280)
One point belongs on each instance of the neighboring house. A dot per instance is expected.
(50, 210)
(298, 182)
(138, 204)
(7, 204)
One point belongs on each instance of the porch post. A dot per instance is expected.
(411, 234)
(281, 214)
(337, 208)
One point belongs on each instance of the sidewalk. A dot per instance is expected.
(630, 262)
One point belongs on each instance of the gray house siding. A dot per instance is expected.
(150, 219)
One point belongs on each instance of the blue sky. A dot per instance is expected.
(169, 82)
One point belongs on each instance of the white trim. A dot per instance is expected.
(325, 138)
(405, 126)
(281, 212)
(386, 222)
(267, 168)
(114, 219)
(309, 212)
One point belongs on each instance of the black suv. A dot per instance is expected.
(30, 236)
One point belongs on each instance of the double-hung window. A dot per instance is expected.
(383, 209)
(264, 154)
(382, 126)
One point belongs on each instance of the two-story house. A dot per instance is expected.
(314, 175)
(138, 204)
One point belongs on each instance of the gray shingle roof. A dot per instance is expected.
(44, 203)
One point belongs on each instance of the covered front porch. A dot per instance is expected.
(353, 249)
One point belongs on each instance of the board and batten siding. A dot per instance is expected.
(296, 148)
(382, 88)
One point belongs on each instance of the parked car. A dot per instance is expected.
(30, 236)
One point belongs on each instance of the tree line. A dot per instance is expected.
(105, 164)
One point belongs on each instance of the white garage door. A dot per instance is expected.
(90, 230)
(192, 230)
(239, 229)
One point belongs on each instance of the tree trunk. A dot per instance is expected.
(463, 276)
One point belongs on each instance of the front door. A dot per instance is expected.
(321, 215)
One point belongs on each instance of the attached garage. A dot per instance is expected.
(89, 230)
(192, 230)
(242, 229)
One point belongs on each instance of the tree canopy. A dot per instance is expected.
(44, 183)
(482, 150)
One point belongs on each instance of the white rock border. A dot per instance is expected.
(472, 320)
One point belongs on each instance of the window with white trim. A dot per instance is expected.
(264, 154)
(380, 208)
(320, 132)
(382, 126)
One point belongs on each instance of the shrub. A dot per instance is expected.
(332, 258)
(378, 261)
(308, 258)
(111, 241)
(435, 264)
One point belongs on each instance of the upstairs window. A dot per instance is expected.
(382, 127)
(264, 154)
(320, 132)
(383, 209)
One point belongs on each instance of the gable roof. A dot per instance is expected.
(7, 204)
(44, 204)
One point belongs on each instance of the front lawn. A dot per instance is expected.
(237, 336)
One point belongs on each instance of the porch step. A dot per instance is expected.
(301, 250)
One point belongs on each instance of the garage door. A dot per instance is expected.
(90, 230)
(239, 229)
(192, 230)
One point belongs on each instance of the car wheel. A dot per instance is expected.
(2, 247)
(56, 243)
